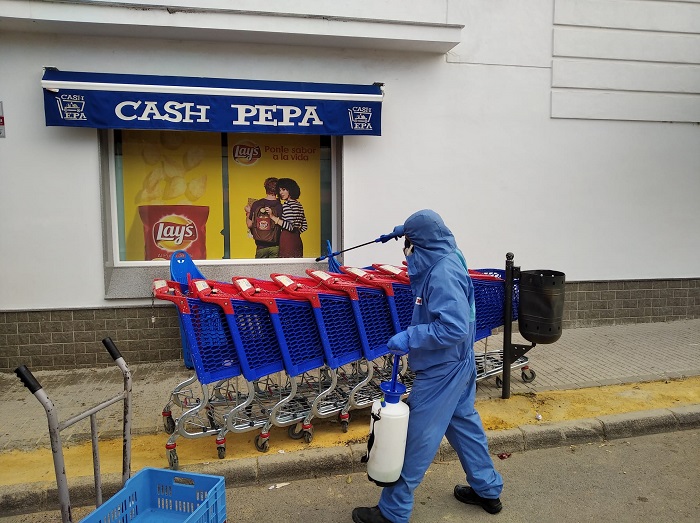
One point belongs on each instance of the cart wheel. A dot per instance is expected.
(295, 431)
(172, 459)
(499, 382)
(309, 435)
(221, 451)
(169, 424)
(528, 378)
(344, 421)
(262, 445)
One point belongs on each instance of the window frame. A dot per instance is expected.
(132, 279)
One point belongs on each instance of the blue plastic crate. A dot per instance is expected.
(164, 496)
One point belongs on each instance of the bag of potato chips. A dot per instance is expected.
(170, 228)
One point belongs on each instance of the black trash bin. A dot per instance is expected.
(541, 306)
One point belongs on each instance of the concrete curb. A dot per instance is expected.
(315, 463)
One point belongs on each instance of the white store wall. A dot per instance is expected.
(468, 134)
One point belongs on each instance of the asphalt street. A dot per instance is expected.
(650, 478)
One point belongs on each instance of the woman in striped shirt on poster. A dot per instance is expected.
(292, 221)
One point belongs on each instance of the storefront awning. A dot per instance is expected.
(122, 101)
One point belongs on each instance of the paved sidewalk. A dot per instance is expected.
(584, 357)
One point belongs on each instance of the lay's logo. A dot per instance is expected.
(246, 152)
(174, 232)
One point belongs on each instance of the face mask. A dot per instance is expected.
(407, 247)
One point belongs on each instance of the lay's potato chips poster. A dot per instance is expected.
(256, 157)
(170, 187)
(172, 194)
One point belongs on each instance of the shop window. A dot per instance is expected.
(177, 190)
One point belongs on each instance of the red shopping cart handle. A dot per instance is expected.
(299, 288)
(256, 294)
(170, 291)
(370, 280)
(476, 275)
(399, 273)
(335, 282)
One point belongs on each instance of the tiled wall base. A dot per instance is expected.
(66, 339)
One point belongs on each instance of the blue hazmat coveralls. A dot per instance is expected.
(441, 344)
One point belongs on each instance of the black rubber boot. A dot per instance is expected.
(466, 494)
(368, 515)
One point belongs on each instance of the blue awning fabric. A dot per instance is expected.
(124, 101)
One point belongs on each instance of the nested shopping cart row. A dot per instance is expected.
(283, 351)
(278, 352)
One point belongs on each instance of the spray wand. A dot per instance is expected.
(395, 234)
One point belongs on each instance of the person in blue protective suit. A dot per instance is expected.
(440, 347)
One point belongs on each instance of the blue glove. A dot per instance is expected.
(395, 234)
(398, 343)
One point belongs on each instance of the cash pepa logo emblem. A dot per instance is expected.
(360, 118)
(246, 153)
(174, 232)
(72, 107)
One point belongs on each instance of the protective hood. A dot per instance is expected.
(432, 241)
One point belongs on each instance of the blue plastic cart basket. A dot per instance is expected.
(375, 319)
(251, 327)
(294, 323)
(340, 335)
(181, 265)
(205, 329)
(489, 300)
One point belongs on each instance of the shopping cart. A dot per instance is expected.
(151, 495)
(344, 341)
(303, 349)
(217, 367)
(378, 322)
(489, 299)
(396, 290)
(185, 395)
